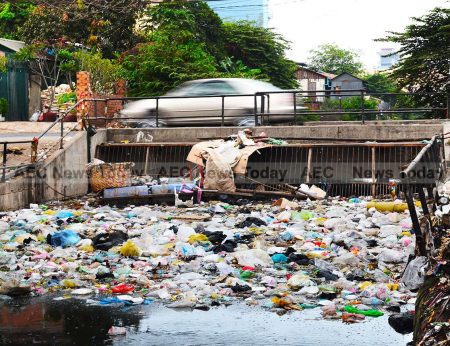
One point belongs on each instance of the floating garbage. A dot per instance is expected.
(340, 256)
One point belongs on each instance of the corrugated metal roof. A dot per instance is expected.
(12, 44)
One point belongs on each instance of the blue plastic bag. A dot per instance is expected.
(65, 238)
(64, 214)
(279, 258)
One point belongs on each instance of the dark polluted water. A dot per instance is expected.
(43, 321)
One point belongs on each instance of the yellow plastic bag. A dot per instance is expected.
(390, 206)
(130, 249)
(198, 237)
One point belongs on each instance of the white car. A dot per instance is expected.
(199, 102)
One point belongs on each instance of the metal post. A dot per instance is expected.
(448, 106)
(4, 162)
(61, 140)
(295, 102)
(262, 108)
(223, 110)
(363, 116)
(157, 112)
(88, 144)
(255, 111)
(374, 178)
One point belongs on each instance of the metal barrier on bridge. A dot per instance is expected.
(341, 169)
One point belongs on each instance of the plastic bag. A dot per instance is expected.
(130, 249)
(414, 274)
(279, 258)
(391, 256)
(253, 258)
(372, 313)
(122, 288)
(64, 238)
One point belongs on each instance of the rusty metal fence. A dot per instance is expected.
(341, 169)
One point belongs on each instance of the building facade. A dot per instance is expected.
(310, 80)
(251, 10)
(344, 82)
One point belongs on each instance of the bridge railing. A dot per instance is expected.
(261, 108)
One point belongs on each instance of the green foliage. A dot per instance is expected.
(166, 62)
(105, 25)
(3, 106)
(52, 62)
(425, 57)
(307, 117)
(66, 98)
(263, 49)
(380, 83)
(333, 59)
(237, 68)
(3, 64)
(195, 17)
(187, 40)
(349, 104)
(13, 17)
(103, 72)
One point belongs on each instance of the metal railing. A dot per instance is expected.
(261, 111)
(301, 108)
(341, 169)
(35, 157)
(5, 167)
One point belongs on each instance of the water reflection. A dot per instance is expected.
(67, 322)
(73, 322)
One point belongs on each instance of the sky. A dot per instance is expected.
(351, 24)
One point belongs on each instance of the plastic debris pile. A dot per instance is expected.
(337, 255)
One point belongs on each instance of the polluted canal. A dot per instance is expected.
(282, 272)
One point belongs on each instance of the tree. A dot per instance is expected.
(380, 82)
(186, 40)
(425, 57)
(165, 62)
(104, 73)
(262, 49)
(333, 59)
(13, 15)
(195, 17)
(50, 60)
(105, 25)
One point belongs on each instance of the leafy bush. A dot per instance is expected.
(67, 97)
(3, 106)
(350, 104)
(104, 72)
(307, 117)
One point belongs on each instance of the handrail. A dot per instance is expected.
(61, 118)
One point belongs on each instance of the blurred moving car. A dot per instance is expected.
(198, 102)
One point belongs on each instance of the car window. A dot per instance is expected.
(256, 85)
(213, 88)
(185, 89)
